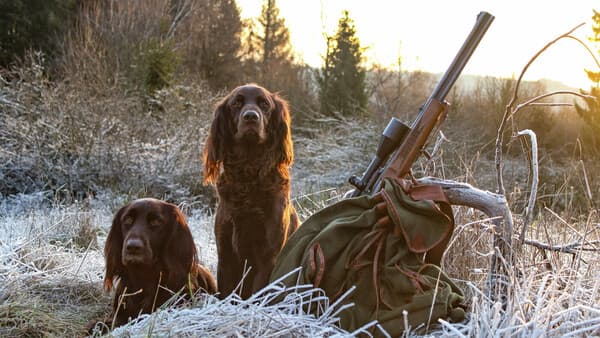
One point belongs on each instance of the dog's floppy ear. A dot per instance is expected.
(179, 254)
(113, 249)
(280, 121)
(214, 147)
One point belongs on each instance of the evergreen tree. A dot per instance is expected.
(275, 40)
(269, 58)
(269, 45)
(219, 52)
(342, 85)
(590, 112)
(32, 24)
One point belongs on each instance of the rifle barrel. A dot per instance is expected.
(433, 110)
(431, 113)
(484, 20)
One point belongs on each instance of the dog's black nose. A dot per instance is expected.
(250, 115)
(134, 245)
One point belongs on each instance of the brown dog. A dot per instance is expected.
(248, 154)
(149, 244)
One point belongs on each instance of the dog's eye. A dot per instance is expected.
(155, 223)
(128, 221)
(238, 102)
(264, 105)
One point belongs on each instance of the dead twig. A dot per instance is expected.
(571, 248)
(534, 100)
(534, 180)
(588, 190)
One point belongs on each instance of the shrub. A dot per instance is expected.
(157, 64)
(57, 137)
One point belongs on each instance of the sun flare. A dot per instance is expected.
(425, 35)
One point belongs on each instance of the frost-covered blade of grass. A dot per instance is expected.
(50, 267)
(276, 311)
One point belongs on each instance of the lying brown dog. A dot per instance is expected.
(149, 244)
(248, 154)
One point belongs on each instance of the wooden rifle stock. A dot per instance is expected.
(433, 113)
(404, 147)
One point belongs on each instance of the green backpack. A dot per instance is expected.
(395, 266)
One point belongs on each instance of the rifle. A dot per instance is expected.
(407, 143)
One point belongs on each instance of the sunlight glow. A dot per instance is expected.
(427, 34)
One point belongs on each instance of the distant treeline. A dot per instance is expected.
(144, 46)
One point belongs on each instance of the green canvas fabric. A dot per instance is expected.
(343, 245)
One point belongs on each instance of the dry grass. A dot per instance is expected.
(51, 279)
(276, 311)
(50, 285)
(551, 294)
(56, 138)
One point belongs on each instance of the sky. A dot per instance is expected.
(426, 34)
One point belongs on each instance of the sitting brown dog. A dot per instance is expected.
(248, 154)
(150, 244)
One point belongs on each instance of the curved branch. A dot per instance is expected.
(493, 205)
(548, 45)
(558, 92)
(496, 207)
(586, 47)
(534, 181)
(508, 112)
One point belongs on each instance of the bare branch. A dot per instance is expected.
(570, 248)
(438, 143)
(559, 92)
(509, 112)
(586, 47)
(548, 45)
(551, 104)
(493, 205)
(504, 239)
(587, 183)
(534, 180)
(185, 8)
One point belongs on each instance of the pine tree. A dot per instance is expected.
(269, 59)
(269, 43)
(342, 86)
(219, 59)
(590, 112)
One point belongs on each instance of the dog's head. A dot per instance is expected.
(149, 234)
(253, 116)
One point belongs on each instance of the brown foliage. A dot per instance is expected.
(65, 137)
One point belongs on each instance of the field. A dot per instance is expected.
(118, 106)
(72, 154)
(52, 265)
